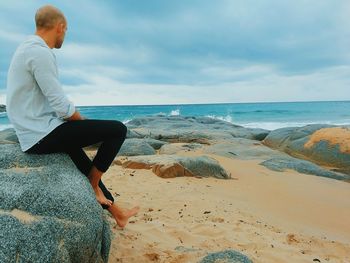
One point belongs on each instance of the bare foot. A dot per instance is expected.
(122, 216)
(101, 197)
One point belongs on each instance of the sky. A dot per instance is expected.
(192, 51)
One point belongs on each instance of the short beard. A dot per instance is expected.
(58, 44)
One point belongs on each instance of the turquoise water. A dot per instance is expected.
(261, 115)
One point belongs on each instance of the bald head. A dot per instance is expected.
(51, 25)
(47, 17)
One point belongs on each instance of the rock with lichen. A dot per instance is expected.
(322, 144)
(168, 166)
(227, 256)
(48, 210)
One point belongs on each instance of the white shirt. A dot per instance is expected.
(35, 103)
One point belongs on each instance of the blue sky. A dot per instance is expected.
(192, 51)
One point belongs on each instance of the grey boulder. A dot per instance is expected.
(227, 256)
(322, 144)
(156, 144)
(48, 211)
(241, 148)
(175, 148)
(168, 166)
(191, 129)
(132, 147)
(130, 134)
(302, 166)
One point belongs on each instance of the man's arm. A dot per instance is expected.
(75, 117)
(41, 62)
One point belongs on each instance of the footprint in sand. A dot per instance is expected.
(217, 220)
(291, 239)
(152, 256)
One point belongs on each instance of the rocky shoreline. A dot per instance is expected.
(313, 149)
(286, 148)
(158, 144)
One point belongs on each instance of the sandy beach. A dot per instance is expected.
(268, 216)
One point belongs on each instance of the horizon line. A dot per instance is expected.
(212, 103)
(206, 103)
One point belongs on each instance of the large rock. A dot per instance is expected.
(168, 166)
(132, 147)
(130, 134)
(282, 137)
(156, 144)
(174, 148)
(245, 149)
(182, 135)
(191, 129)
(323, 144)
(227, 256)
(302, 166)
(48, 211)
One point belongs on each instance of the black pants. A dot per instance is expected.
(71, 136)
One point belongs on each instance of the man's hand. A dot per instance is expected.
(75, 117)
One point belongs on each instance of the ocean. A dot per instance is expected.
(268, 116)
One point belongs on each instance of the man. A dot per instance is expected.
(45, 120)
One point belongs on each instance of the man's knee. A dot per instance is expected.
(121, 129)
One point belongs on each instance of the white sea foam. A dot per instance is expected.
(277, 125)
(126, 121)
(160, 114)
(175, 112)
(272, 125)
(227, 118)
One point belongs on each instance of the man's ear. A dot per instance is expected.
(60, 28)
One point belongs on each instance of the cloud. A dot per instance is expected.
(330, 84)
(194, 51)
(82, 53)
(11, 37)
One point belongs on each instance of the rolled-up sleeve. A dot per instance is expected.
(42, 64)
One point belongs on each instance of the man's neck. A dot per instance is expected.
(47, 38)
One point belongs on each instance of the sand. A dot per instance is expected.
(269, 216)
